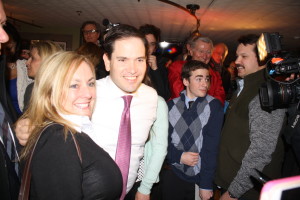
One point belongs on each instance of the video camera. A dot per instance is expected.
(276, 92)
(108, 25)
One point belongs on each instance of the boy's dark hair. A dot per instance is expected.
(119, 32)
(190, 66)
(150, 29)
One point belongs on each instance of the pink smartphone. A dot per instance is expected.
(281, 189)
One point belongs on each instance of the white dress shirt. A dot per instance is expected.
(107, 115)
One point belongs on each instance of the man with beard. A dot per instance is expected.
(250, 136)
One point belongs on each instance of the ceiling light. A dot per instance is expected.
(164, 44)
(193, 8)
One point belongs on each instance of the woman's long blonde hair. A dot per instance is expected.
(51, 82)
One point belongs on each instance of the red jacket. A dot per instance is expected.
(176, 85)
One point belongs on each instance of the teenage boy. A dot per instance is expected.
(195, 121)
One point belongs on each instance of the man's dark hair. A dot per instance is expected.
(250, 39)
(150, 29)
(97, 25)
(120, 32)
(191, 66)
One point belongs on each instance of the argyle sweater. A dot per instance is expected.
(196, 129)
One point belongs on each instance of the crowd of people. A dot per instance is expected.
(116, 120)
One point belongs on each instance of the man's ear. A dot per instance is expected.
(188, 48)
(106, 62)
(186, 82)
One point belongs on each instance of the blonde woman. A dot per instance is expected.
(38, 53)
(63, 97)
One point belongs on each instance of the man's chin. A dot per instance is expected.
(241, 75)
(130, 88)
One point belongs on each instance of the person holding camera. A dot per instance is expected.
(91, 32)
(157, 64)
(251, 135)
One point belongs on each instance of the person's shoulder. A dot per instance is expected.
(162, 103)
(53, 127)
(255, 104)
(161, 100)
(51, 133)
(209, 98)
(103, 86)
(214, 73)
(213, 102)
(177, 63)
(146, 94)
(172, 102)
(145, 89)
(102, 80)
(55, 133)
(30, 86)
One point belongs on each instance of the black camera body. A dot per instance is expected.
(276, 92)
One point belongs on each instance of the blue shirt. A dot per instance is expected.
(13, 93)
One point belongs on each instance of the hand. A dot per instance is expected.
(205, 194)
(23, 131)
(189, 158)
(226, 196)
(152, 62)
(168, 63)
(140, 196)
(292, 77)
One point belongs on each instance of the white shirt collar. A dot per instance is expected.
(83, 123)
(240, 83)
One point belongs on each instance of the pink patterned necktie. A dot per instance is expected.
(124, 143)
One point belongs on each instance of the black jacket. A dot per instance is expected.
(4, 97)
(9, 181)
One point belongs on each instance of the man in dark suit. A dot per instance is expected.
(9, 166)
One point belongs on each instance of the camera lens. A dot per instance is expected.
(276, 95)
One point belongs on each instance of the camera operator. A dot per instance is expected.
(251, 135)
(279, 92)
(291, 165)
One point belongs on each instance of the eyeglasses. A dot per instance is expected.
(89, 31)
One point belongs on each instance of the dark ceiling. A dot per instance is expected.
(221, 20)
